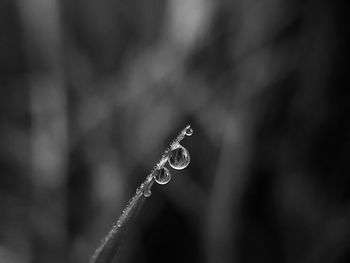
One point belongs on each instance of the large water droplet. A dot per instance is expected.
(162, 176)
(189, 131)
(179, 158)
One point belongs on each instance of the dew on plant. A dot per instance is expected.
(147, 193)
(162, 176)
(179, 158)
(188, 131)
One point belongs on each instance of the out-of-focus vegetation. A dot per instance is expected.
(92, 91)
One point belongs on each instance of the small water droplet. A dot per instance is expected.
(117, 224)
(189, 131)
(147, 193)
(162, 176)
(179, 158)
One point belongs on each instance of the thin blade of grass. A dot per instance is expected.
(111, 245)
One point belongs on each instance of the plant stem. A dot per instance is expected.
(110, 246)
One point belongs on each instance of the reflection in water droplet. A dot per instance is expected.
(179, 158)
(162, 176)
(147, 193)
(189, 131)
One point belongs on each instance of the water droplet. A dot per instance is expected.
(147, 193)
(189, 131)
(179, 158)
(116, 224)
(162, 176)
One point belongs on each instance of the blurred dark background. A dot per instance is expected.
(92, 92)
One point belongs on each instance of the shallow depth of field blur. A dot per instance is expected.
(92, 92)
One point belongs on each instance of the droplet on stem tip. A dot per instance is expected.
(189, 131)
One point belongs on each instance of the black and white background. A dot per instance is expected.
(92, 92)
